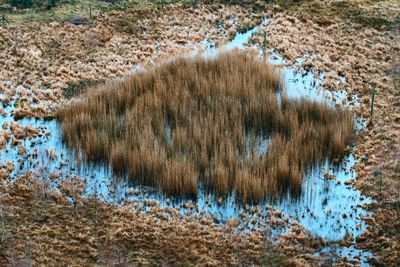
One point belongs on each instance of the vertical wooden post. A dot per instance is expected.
(3, 19)
(265, 44)
(380, 185)
(373, 91)
(379, 180)
(90, 10)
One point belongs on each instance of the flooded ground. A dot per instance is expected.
(328, 208)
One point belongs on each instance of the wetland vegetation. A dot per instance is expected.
(170, 165)
(220, 122)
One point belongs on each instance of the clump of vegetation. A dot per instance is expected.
(207, 121)
(34, 3)
(79, 87)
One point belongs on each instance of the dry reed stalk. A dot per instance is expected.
(192, 121)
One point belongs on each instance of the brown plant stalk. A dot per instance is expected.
(200, 121)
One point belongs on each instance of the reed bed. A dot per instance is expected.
(192, 122)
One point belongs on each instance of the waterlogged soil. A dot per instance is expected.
(367, 58)
(329, 206)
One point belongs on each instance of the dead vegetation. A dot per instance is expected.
(36, 233)
(57, 55)
(353, 50)
(378, 15)
(41, 227)
(197, 121)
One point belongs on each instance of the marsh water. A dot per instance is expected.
(326, 207)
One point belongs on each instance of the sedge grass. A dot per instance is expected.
(197, 121)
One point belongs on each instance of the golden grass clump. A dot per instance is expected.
(202, 121)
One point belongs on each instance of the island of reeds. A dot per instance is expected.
(216, 124)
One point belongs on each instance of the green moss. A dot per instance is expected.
(75, 89)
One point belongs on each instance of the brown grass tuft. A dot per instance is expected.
(192, 121)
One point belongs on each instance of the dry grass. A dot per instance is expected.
(49, 230)
(41, 227)
(192, 121)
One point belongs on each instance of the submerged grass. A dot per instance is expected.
(201, 121)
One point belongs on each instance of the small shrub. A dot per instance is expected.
(22, 3)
